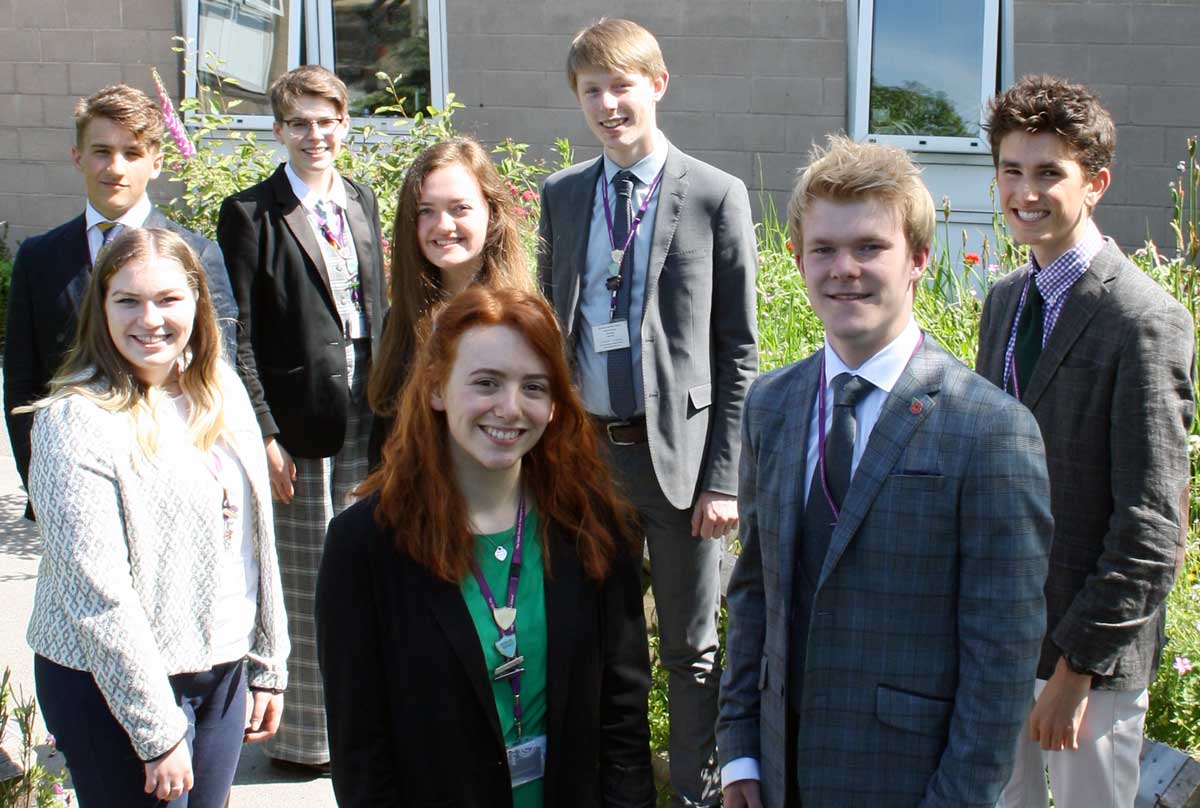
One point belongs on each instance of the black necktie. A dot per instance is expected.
(1029, 336)
(620, 360)
(848, 392)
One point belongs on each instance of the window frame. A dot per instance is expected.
(318, 39)
(993, 75)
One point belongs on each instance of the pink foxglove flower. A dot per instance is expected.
(1182, 666)
(175, 126)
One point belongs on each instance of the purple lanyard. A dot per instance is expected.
(1012, 363)
(618, 255)
(506, 618)
(833, 508)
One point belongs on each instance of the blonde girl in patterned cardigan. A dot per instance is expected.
(158, 597)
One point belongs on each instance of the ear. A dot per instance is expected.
(77, 158)
(277, 128)
(436, 401)
(659, 85)
(799, 259)
(156, 164)
(1096, 186)
(920, 260)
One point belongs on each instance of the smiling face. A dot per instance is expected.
(116, 166)
(860, 273)
(452, 223)
(497, 399)
(150, 311)
(620, 109)
(1047, 198)
(312, 148)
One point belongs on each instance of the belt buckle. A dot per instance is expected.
(608, 427)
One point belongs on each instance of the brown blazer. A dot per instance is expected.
(1112, 393)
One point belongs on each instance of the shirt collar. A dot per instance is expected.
(884, 368)
(134, 217)
(308, 197)
(645, 169)
(1059, 275)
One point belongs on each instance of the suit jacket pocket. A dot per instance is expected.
(700, 396)
(924, 715)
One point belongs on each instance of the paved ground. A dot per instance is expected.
(258, 785)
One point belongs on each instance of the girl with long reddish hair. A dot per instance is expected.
(479, 611)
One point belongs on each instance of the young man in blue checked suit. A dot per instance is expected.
(886, 612)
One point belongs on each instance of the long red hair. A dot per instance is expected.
(419, 500)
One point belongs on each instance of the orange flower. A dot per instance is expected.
(971, 259)
(789, 246)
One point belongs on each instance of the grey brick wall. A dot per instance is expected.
(51, 53)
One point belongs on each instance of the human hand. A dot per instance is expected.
(1058, 713)
(743, 794)
(281, 469)
(715, 515)
(170, 775)
(263, 711)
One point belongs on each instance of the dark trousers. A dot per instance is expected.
(104, 768)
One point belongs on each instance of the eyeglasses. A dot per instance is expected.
(299, 127)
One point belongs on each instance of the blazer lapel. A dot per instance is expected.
(670, 202)
(1006, 316)
(1081, 305)
(581, 199)
(361, 231)
(797, 409)
(906, 408)
(562, 605)
(297, 222)
(77, 261)
(450, 610)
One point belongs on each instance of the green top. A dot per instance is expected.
(531, 636)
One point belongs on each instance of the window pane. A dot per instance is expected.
(926, 68)
(245, 43)
(382, 35)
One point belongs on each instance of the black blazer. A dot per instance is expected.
(49, 278)
(412, 719)
(291, 346)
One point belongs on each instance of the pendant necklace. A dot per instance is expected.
(498, 550)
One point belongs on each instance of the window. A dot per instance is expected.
(924, 71)
(247, 44)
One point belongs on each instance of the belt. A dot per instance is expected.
(622, 433)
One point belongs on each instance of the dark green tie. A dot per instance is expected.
(1029, 336)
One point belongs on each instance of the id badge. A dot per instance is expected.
(527, 761)
(611, 336)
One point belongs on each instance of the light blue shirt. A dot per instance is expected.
(595, 299)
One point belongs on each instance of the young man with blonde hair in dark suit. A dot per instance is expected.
(1103, 357)
(118, 140)
(886, 610)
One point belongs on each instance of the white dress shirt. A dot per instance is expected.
(134, 217)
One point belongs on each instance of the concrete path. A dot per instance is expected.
(258, 784)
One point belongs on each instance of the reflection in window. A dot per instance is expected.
(392, 36)
(934, 90)
(925, 71)
(245, 43)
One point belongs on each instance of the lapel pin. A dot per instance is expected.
(915, 408)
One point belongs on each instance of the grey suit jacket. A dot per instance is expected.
(699, 331)
(1112, 393)
(928, 612)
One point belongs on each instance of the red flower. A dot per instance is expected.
(971, 259)
(528, 195)
(789, 246)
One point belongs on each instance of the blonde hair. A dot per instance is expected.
(125, 106)
(614, 46)
(846, 171)
(320, 82)
(96, 370)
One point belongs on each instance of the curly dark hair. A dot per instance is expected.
(1043, 103)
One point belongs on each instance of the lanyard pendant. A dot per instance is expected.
(504, 616)
(507, 645)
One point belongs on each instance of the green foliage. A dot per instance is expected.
(914, 109)
(37, 786)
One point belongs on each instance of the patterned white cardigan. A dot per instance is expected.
(128, 577)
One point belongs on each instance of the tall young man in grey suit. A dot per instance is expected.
(1103, 357)
(118, 139)
(649, 257)
(886, 611)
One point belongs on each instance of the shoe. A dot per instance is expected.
(294, 767)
